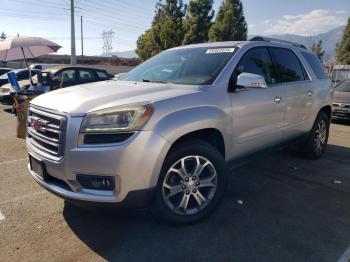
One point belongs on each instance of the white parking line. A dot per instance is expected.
(346, 256)
(2, 217)
(13, 161)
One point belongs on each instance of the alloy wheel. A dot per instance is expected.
(189, 185)
(320, 136)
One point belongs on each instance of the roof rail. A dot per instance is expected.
(268, 39)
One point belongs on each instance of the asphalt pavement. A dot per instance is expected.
(278, 208)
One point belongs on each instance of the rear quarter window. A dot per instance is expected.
(315, 64)
(102, 75)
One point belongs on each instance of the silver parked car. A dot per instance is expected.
(165, 134)
(341, 104)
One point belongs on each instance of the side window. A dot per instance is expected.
(287, 65)
(102, 75)
(24, 75)
(256, 61)
(34, 72)
(315, 64)
(68, 76)
(86, 75)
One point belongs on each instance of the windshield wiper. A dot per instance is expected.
(155, 81)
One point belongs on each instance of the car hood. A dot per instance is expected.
(341, 97)
(81, 99)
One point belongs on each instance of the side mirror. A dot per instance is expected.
(251, 81)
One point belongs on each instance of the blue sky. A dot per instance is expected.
(130, 18)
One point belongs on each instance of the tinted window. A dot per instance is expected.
(257, 61)
(4, 71)
(287, 65)
(86, 75)
(315, 64)
(343, 86)
(68, 76)
(189, 66)
(102, 75)
(23, 75)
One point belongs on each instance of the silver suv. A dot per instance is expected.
(164, 134)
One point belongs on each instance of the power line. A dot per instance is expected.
(29, 17)
(105, 15)
(120, 11)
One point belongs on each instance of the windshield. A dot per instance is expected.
(343, 86)
(190, 66)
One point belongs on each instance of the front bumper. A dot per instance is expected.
(341, 113)
(135, 165)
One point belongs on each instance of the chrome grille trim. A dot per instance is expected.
(342, 105)
(49, 137)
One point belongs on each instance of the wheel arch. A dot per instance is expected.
(327, 110)
(211, 136)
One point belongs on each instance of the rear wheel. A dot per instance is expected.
(191, 183)
(316, 143)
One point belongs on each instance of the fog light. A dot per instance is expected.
(96, 182)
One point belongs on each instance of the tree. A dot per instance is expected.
(230, 24)
(172, 30)
(3, 36)
(166, 30)
(318, 50)
(198, 21)
(145, 45)
(343, 50)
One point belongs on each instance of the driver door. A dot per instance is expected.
(257, 113)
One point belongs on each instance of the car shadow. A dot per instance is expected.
(8, 110)
(341, 122)
(274, 209)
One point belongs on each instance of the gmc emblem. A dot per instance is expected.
(38, 124)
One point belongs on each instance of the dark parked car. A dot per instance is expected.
(64, 76)
(4, 70)
(57, 77)
(341, 104)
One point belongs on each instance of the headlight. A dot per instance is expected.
(116, 119)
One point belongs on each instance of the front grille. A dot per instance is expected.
(343, 105)
(46, 131)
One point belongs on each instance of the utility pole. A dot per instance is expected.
(81, 35)
(73, 58)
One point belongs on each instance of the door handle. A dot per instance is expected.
(278, 99)
(310, 93)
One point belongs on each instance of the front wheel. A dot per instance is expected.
(316, 143)
(191, 183)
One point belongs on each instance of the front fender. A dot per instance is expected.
(181, 122)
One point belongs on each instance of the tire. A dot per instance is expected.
(316, 143)
(187, 197)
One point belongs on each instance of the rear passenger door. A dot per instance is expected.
(297, 91)
(86, 76)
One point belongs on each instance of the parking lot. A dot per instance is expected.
(278, 208)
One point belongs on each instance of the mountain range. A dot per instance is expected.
(329, 42)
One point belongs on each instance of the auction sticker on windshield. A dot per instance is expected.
(220, 50)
